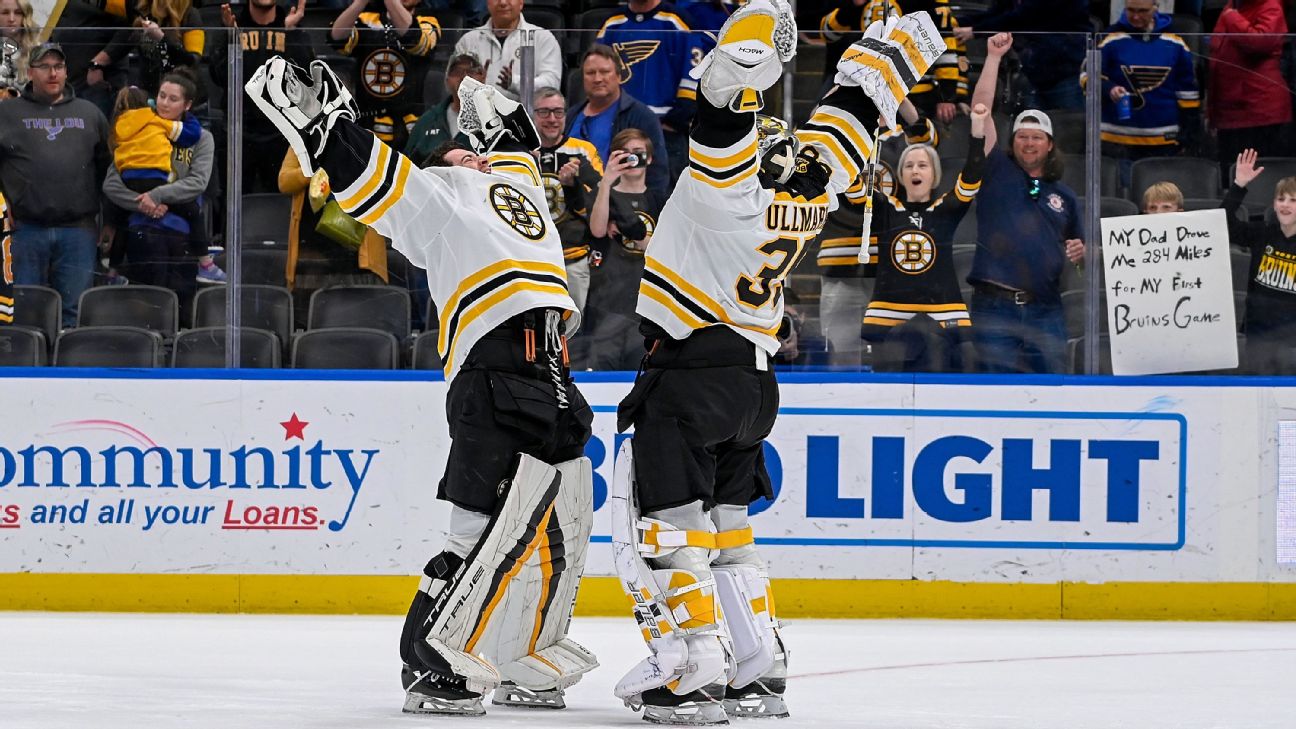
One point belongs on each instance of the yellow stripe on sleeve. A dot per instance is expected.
(375, 179)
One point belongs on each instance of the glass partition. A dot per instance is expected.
(218, 250)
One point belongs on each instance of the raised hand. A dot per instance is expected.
(1246, 171)
(999, 44)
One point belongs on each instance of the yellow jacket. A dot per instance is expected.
(144, 140)
(372, 255)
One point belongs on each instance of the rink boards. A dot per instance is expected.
(934, 496)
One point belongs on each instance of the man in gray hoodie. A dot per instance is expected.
(53, 155)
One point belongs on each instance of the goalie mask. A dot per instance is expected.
(777, 147)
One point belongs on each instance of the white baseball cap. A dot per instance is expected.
(1033, 119)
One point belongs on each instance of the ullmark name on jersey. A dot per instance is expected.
(788, 217)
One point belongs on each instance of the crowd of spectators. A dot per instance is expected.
(613, 97)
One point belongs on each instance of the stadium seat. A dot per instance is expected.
(147, 307)
(260, 265)
(376, 307)
(40, 308)
(426, 356)
(1073, 305)
(574, 90)
(966, 232)
(261, 307)
(950, 169)
(1116, 207)
(350, 348)
(1240, 263)
(953, 137)
(963, 256)
(108, 346)
(22, 347)
(1239, 309)
(266, 218)
(1198, 178)
(1069, 130)
(205, 347)
(1075, 175)
(1260, 193)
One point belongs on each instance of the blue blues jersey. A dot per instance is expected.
(656, 51)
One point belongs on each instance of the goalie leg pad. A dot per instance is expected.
(674, 597)
(888, 61)
(750, 51)
(459, 613)
(530, 643)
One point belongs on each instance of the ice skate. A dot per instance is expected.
(511, 694)
(430, 693)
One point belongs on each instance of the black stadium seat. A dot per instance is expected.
(147, 307)
(22, 347)
(108, 346)
(376, 307)
(1195, 177)
(351, 348)
(266, 218)
(40, 308)
(261, 307)
(205, 347)
(426, 356)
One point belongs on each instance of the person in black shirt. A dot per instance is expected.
(1271, 284)
(917, 314)
(263, 33)
(624, 215)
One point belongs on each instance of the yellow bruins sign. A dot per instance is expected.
(515, 209)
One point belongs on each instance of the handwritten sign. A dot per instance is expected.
(1169, 293)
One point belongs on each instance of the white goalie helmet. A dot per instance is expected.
(777, 147)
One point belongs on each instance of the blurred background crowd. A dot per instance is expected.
(124, 150)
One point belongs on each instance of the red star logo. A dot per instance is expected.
(295, 427)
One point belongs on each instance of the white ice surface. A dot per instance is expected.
(112, 671)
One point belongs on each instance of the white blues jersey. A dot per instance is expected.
(727, 238)
(486, 240)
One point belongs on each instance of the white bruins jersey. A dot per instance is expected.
(725, 242)
(486, 240)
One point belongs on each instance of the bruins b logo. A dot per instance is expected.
(383, 73)
(913, 252)
(515, 209)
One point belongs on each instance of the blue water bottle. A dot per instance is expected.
(1123, 108)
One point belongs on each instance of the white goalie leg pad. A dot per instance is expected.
(528, 642)
(890, 58)
(462, 615)
(674, 604)
(750, 51)
(745, 600)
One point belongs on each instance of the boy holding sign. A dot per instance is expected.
(1271, 285)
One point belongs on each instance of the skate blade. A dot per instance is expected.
(510, 694)
(422, 704)
(757, 706)
(689, 713)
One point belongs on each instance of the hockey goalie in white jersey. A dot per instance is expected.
(492, 609)
(711, 299)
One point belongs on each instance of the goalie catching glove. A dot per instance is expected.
(488, 117)
(302, 104)
(888, 61)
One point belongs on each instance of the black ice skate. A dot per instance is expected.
(760, 699)
(427, 692)
(704, 707)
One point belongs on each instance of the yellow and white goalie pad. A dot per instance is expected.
(890, 58)
(676, 609)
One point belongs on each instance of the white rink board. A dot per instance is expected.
(877, 479)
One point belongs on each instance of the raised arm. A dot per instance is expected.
(984, 94)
